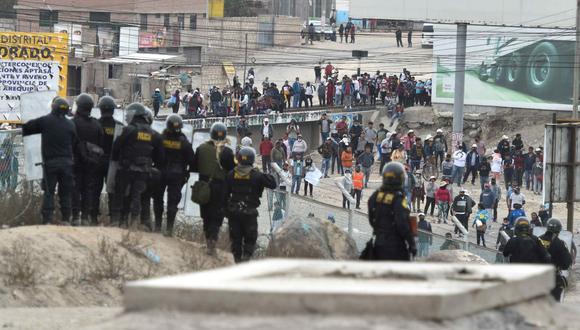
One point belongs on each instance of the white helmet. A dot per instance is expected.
(439, 130)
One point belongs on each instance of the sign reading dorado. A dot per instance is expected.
(31, 62)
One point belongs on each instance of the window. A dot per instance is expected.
(166, 20)
(48, 17)
(115, 71)
(193, 22)
(143, 24)
(181, 21)
(99, 17)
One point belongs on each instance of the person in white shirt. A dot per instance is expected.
(267, 131)
(516, 198)
(459, 158)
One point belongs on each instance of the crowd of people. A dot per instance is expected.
(327, 89)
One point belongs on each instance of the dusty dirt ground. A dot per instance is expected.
(50, 266)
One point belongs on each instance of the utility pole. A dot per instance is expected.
(323, 13)
(459, 95)
(575, 83)
(245, 60)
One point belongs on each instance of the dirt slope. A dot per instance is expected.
(50, 266)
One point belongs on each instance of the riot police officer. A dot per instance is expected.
(524, 247)
(58, 139)
(213, 160)
(136, 150)
(389, 217)
(107, 106)
(559, 253)
(88, 155)
(244, 187)
(174, 171)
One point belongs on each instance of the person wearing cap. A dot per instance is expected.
(416, 154)
(292, 130)
(326, 151)
(443, 199)
(459, 161)
(504, 147)
(430, 190)
(267, 131)
(461, 208)
(324, 124)
(471, 164)
(157, 101)
(409, 140)
(429, 149)
(425, 236)
(440, 144)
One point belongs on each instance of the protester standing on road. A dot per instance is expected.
(341, 32)
(472, 164)
(326, 151)
(266, 147)
(425, 236)
(58, 136)
(399, 37)
(461, 208)
(410, 39)
(324, 124)
(484, 169)
(430, 190)
(177, 101)
(366, 161)
(459, 159)
(157, 101)
(480, 223)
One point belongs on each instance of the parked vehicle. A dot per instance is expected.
(427, 36)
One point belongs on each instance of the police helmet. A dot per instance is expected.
(522, 226)
(174, 123)
(218, 131)
(107, 105)
(60, 106)
(148, 116)
(246, 156)
(136, 110)
(393, 176)
(85, 104)
(554, 226)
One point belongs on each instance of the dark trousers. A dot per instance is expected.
(173, 184)
(306, 186)
(430, 202)
(243, 236)
(212, 213)
(130, 185)
(357, 194)
(519, 172)
(389, 249)
(400, 42)
(63, 177)
(156, 107)
(481, 236)
(473, 171)
(463, 219)
(336, 160)
(266, 163)
(345, 202)
(321, 100)
(385, 158)
(83, 197)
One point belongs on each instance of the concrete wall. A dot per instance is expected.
(7, 24)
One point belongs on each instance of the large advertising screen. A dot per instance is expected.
(31, 62)
(507, 67)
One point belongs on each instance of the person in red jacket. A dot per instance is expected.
(519, 167)
(266, 147)
(443, 201)
(330, 90)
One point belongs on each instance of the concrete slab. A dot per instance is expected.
(283, 286)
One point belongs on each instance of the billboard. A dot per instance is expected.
(507, 67)
(31, 62)
(75, 36)
(152, 40)
(533, 13)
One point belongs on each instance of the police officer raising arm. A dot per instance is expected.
(560, 256)
(88, 154)
(58, 140)
(136, 149)
(389, 217)
(213, 160)
(244, 187)
(174, 171)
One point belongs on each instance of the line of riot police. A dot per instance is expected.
(139, 165)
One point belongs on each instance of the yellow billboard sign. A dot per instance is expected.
(31, 62)
(216, 8)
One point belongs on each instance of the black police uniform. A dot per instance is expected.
(560, 257)
(526, 249)
(136, 149)
(175, 169)
(87, 160)
(244, 187)
(213, 170)
(58, 141)
(109, 124)
(389, 217)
